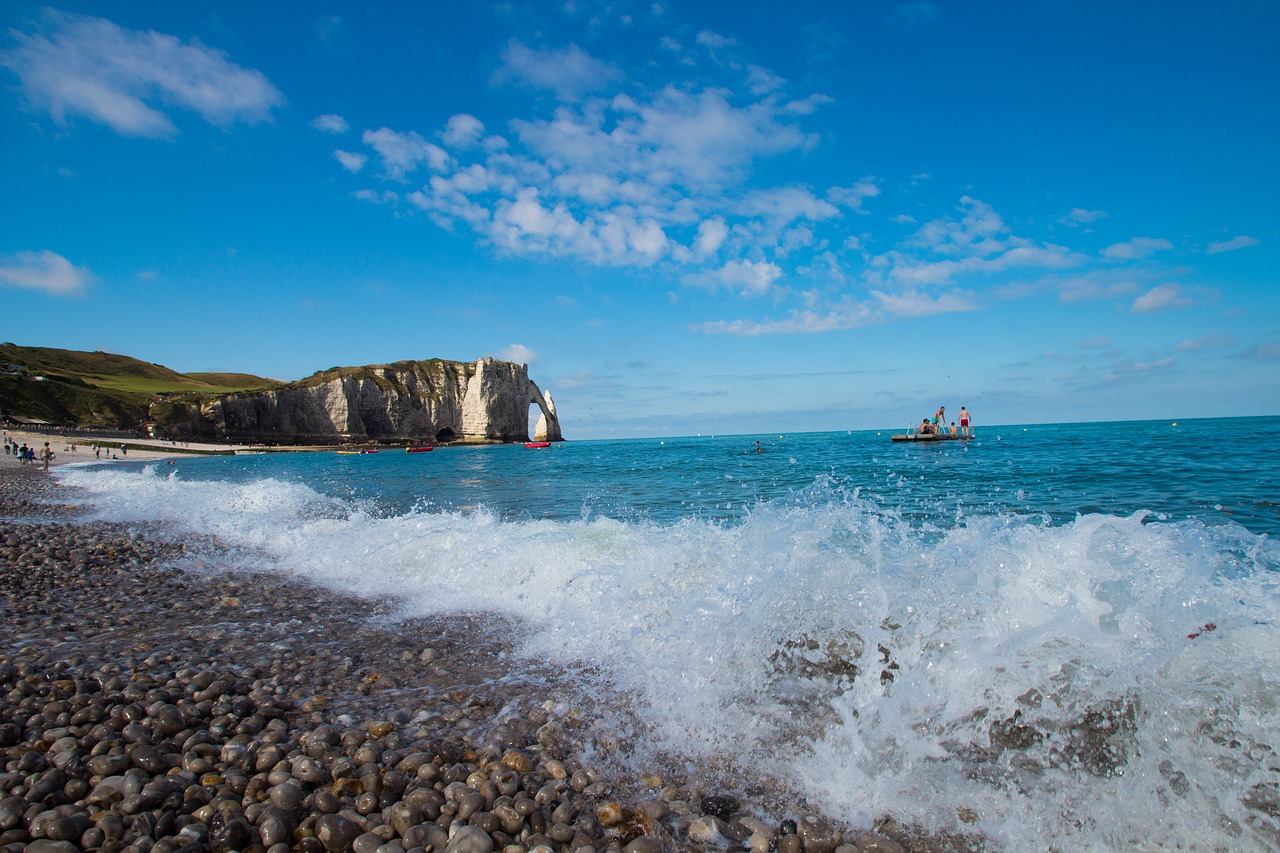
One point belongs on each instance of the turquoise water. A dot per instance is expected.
(1013, 627)
(1210, 470)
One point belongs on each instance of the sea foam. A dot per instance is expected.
(1030, 680)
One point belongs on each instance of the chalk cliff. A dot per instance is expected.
(426, 401)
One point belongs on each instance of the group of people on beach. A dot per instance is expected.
(938, 426)
(28, 455)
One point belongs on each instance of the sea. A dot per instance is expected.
(1056, 636)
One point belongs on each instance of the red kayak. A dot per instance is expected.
(535, 444)
(418, 449)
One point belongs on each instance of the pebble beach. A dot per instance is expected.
(149, 702)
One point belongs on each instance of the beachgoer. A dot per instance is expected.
(22, 453)
(925, 427)
(953, 429)
(940, 417)
(964, 421)
(46, 455)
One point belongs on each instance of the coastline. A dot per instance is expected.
(160, 703)
(137, 449)
(69, 449)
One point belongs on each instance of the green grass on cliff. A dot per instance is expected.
(74, 388)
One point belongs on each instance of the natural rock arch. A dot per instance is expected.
(497, 399)
(548, 428)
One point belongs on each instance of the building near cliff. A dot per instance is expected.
(430, 401)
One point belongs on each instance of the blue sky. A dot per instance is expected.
(685, 217)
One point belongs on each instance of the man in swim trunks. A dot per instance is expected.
(940, 418)
(964, 421)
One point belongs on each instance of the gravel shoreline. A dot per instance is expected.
(149, 704)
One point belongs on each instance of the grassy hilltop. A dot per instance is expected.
(103, 389)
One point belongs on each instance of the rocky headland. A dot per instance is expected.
(152, 702)
(430, 401)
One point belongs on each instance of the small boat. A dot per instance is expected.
(348, 452)
(419, 449)
(370, 450)
(536, 444)
(925, 437)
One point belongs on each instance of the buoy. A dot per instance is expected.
(1175, 423)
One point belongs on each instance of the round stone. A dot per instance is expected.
(286, 797)
(366, 843)
(644, 844)
(337, 833)
(470, 839)
(706, 830)
(817, 835)
(720, 806)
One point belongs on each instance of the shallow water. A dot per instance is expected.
(988, 635)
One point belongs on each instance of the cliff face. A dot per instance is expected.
(413, 400)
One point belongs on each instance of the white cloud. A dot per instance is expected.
(1265, 351)
(975, 233)
(403, 153)
(1098, 284)
(46, 270)
(1081, 216)
(1214, 341)
(1241, 242)
(607, 238)
(329, 123)
(462, 131)
(782, 205)
(806, 105)
(711, 236)
(1161, 297)
(350, 161)
(699, 141)
(1136, 249)
(747, 278)
(570, 72)
(714, 40)
(913, 271)
(80, 65)
(851, 197)
(1127, 370)
(388, 197)
(762, 81)
(914, 303)
(843, 314)
(1097, 342)
(518, 353)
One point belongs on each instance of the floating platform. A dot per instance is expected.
(924, 439)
